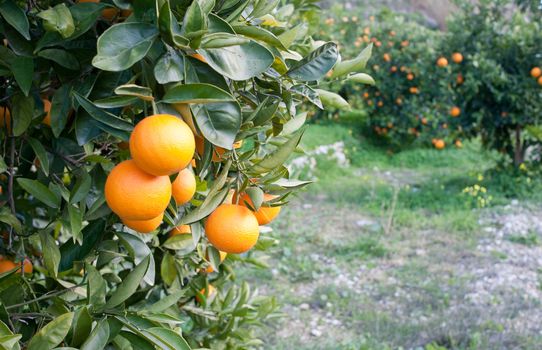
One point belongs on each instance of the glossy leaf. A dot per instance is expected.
(96, 289)
(60, 109)
(219, 122)
(124, 44)
(239, 62)
(332, 100)
(41, 154)
(219, 40)
(98, 338)
(278, 156)
(22, 111)
(51, 253)
(316, 64)
(81, 327)
(196, 93)
(166, 339)
(58, 19)
(362, 78)
(129, 284)
(101, 115)
(52, 334)
(261, 34)
(141, 92)
(23, 72)
(169, 68)
(71, 251)
(61, 57)
(40, 192)
(138, 250)
(16, 17)
(355, 65)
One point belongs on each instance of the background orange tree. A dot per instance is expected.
(75, 80)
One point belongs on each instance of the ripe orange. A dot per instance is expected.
(442, 62)
(404, 43)
(439, 144)
(457, 57)
(387, 57)
(232, 228)
(134, 194)
(264, 215)
(460, 79)
(392, 33)
(7, 265)
(184, 186)
(540, 81)
(144, 226)
(398, 101)
(455, 111)
(424, 121)
(380, 104)
(162, 144)
(410, 76)
(365, 95)
(217, 151)
(47, 110)
(209, 294)
(210, 269)
(5, 117)
(413, 90)
(393, 69)
(378, 43)
(180, 230)
(458, 144)
(536, 72)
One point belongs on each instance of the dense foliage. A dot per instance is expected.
(75, 80)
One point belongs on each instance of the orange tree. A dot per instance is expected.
(409, 100)
(142, 145)
(501, 96)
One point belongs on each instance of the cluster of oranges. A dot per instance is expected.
(536, 73)
(139, 190)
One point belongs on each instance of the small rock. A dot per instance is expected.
(304, 306)
(316, 333)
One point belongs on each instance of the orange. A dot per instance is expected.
(393, 69)
(457, 57)
(264, 215)
(380, 104)
(144, 226)
(7, 265)
(455, 111)
(410, 76)
(536, 72)
(162, 144)
(365, 95)
(413, 90)
(387, 57)
(424, 121)
(442, 62)
(398, 101)
(232, 228)
(458, 144)
(439, 144)
(47, 110)
(5, 117)
(217, 151)
(209, 294)
(460, 79)
(184, 186)
(404, 43)
(210, 269)
(540, 81)
(135, 195)
(180, 230)
(108, 13)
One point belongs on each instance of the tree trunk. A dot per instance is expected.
(519, 152)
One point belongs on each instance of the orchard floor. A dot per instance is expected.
(388, 252)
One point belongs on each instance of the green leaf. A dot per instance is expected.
(76, 222)
(137, 342)
(261, 34)
(40, 152)
(81, 188)
(99, 337)
(332, 100)
(167, 268)
(141, 92)
(22, 111)
(169, 68)
(288, 37)
(263, 7)
(219, 122)
(166, 339)
(23, 72)
(138, 250)
(309, 93)
(81, 327)
(3, 165)
(196, 93)
(62, 57)
(58, 19)
(10, 342)
(355, 65)
(40, 192)
(96, 288)
(195, 21)
(16, 17)
(182, 243)
(166, 302)
(362, 78)
(219, 40)
(129, 285)
(51, 253)
(101, 115)
(278, 156)
(169, 27)
(52, 334)
(70, 251)
(240, 62)
(124, 44)
(211, 202)
(61, 105)
(294, 124)
(8, 218)
(316, 64)
(115, 101)
(256, 197)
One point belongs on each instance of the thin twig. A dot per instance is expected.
(43, 297)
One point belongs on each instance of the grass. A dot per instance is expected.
(379, 246)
